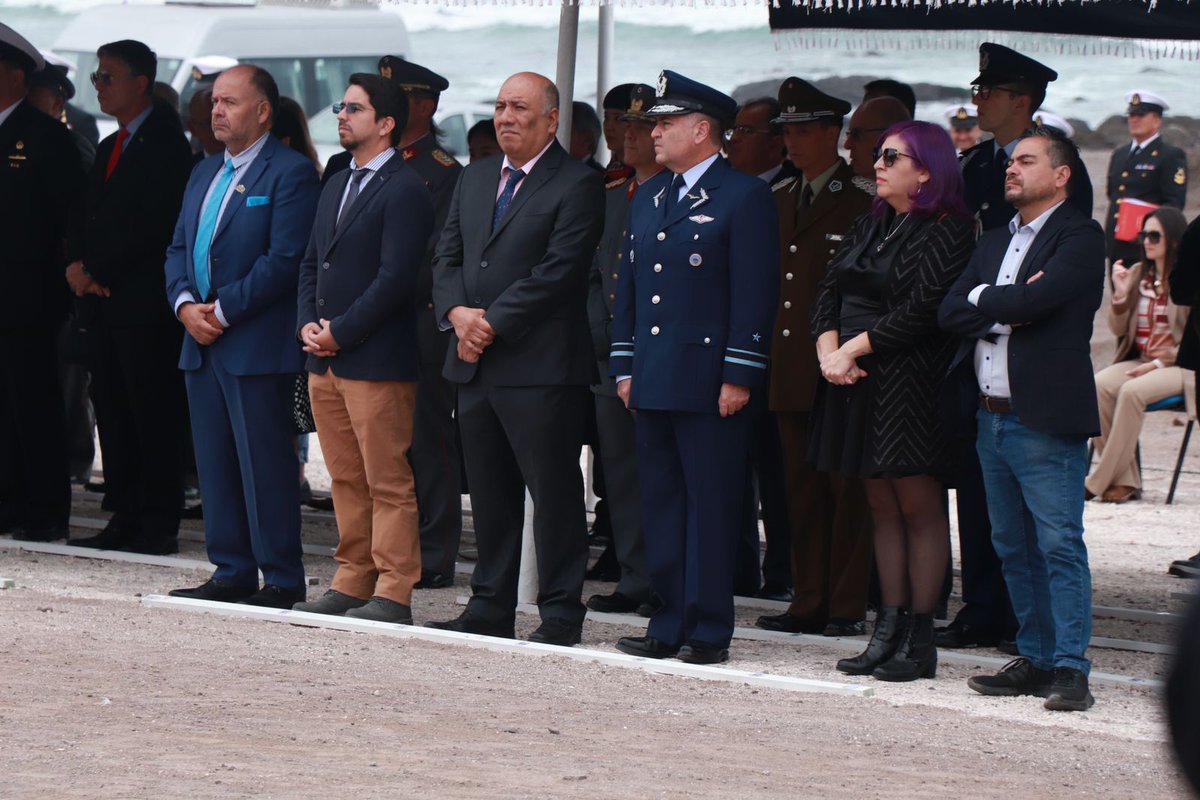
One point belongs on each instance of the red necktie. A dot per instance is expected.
(118, 148)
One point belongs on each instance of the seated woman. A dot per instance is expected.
(1149, 327)
(884, 360)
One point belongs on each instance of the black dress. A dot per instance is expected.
(890, 277)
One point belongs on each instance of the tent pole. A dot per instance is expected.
(604, 56)
(564, 76)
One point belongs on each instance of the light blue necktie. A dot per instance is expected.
(208, 225)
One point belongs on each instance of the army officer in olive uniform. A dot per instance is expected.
(691, 337)
(435, 451)
(830, 525)
(1145, 168)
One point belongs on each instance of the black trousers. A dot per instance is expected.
(435, 460)
(514, 437)
(141, 411)
(35, 489)
(765, 488)
(618, 455)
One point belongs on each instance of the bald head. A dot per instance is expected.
(867, 124)
(526, 116)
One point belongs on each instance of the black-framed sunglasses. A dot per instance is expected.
(857, 133)
(349, 108)
(890, 156)
(984, 92)
(1151, 237)
(746, 130)
(102, 78)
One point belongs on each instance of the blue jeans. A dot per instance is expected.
(1034, 485)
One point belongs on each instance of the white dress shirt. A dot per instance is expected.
(991, 357)
(1133, 145)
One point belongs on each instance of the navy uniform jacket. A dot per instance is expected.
(1157, 175)
(984, 186)
(606, 271)
(696, 301)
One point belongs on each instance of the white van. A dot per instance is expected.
(311, 49)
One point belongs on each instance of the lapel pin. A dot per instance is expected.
(240, 188)
(695, 260)
(835, 186)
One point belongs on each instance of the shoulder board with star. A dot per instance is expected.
(865, 185)
(618, 182)
(444, 158)
(783, 184)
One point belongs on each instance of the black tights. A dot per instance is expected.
(912, 540)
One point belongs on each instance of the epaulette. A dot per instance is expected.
(783, 183)
(443, 158)
(971, 152)
(614, 184)
(865, 184)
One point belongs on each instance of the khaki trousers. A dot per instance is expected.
(365, 429)
(1123, 402)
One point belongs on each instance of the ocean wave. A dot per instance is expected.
(420, 16)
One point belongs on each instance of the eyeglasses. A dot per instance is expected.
(857, 133)
(349, 108)
(1151, 237)
(889, 156)
(984, 92)
(103, 78)
(746, 130)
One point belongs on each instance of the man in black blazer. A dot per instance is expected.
(40, 184)
(133, 196)
(511, 279)
(1025, 305)
(357, 322)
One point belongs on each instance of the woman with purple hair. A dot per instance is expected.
(884, 361)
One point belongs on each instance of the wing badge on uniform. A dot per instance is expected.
(701, 200)
(700, 219)
(658, 197)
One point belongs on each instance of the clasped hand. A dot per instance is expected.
(318, 339)
(840, 369)
(201, 321)
(474, 332)
(81, 283)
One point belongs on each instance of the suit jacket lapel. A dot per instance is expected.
(247, 181)
(1056, 221)
(542, 172)
(364, 196)
(824, 202)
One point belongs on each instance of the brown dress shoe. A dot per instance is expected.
(1121, 494)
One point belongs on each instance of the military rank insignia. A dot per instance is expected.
(1180, 176)
(408, 154)
(444, 158)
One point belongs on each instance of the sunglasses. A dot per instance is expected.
(984, 92)
(102, 79)
(857, 133)
(1151, 237)
(890, 155)
(349, 108)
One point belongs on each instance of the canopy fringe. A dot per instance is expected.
(869, 41)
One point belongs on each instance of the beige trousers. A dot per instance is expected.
(365, 429)
(1123, 402)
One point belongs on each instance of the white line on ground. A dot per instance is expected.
(710, 673)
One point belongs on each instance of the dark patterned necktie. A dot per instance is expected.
(505, 199)
(356, 179)
(673, 192)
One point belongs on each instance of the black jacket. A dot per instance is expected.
(984, 186)
(1049, 351)
(41, 183)
(360, 272)
(1185, 291)
(131, 217)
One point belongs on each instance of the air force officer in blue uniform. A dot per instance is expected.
(691, 333)
(232, 272)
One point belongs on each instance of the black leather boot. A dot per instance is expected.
(917, 656)
(890, 626)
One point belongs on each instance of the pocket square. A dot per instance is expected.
(258, 200)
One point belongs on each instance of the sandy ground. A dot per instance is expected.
(101, 697)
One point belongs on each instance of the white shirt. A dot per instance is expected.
(770, 174)
(7, 112)
(241, 162)
(991, 358)
(507, 166)
(371, 167)
(1134, 145)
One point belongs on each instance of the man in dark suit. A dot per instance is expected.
(40, 188)
(831, 526)
(511, 280)
(690, 340)
(231, 278)
(1146, 168)
(133, 196)
(49, 90)
(614, 423)
(356, 319)
(1025, 306)
(435, 450)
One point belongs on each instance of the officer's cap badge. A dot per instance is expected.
(1135, 100)
(662, 84)
(385, 71)
(962, 113)
(636, 105)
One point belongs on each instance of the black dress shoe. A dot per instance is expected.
(161, 546)
(433, 580)
(786, 623)
(1017, 678)
(615, 603)
(467, 622)
(220, 591)
(381, 609)
(271, 596)
(47, 533)
(606, 568)
(116, 534)
(650, 607)
(1069, 691)
(958, 635)
(646, 647)
(321, 502)
(559, 631)
(1185, 567)
(775, 591)
(702, 653)
(193, 511)
(845, 627)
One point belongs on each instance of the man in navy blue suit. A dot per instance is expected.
(231, 277)
(691, 332)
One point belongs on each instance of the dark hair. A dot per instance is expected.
(485, 127)
(585, 120)
(1036, 93)
(1062, 151)
(140, 59)
(887, 87)
(774, 109)
(388, 99)
(931, 149)
(264, 82)
(291, 124)
(1173, 223)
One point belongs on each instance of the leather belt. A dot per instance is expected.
(996, 405)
